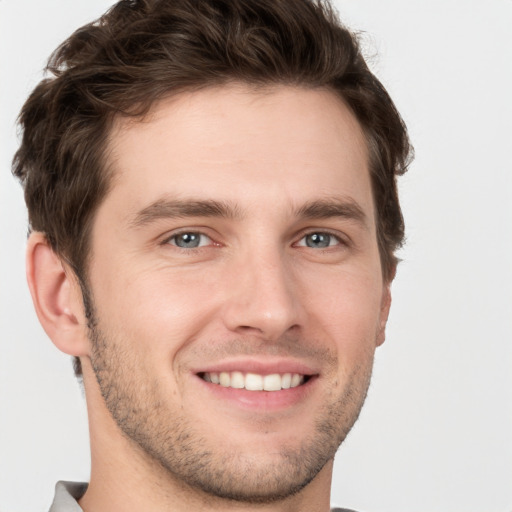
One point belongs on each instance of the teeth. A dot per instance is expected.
(237, 380)
(295, 380)
(255, 382)
(225, 379)
(272, 382)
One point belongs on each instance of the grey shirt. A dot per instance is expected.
(67, 494)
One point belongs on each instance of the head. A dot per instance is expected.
(140, 52)
(120, 78)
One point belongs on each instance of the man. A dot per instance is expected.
(212, 199)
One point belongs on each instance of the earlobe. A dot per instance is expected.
(56, 297)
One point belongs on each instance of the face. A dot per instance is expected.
(237, 289)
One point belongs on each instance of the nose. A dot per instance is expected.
(262, 296)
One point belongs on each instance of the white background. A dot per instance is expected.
(436, 432)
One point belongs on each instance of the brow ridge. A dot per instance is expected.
(177, 208)
(333, 207)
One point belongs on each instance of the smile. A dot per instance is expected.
(254, 381)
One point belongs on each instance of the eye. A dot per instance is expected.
(189, 240)
(319, 240)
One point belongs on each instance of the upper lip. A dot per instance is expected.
(259, 366)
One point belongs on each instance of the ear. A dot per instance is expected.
(57, 297)
(385, 305)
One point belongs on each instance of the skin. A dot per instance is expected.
(256, 292)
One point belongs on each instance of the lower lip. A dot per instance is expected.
(262, 400)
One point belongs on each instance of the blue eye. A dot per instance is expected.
(319, 240)
(189, 240)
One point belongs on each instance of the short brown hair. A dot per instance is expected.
(143, 50)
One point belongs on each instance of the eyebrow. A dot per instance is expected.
(175, 208)
(333, 207)
(345, 208)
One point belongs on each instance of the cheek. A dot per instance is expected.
(154, 309)
(349, 310)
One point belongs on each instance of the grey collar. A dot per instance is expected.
(66, 496)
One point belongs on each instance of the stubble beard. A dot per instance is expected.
(172, 442)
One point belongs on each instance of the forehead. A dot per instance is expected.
(284, 144)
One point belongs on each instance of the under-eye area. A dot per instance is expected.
(254, 381)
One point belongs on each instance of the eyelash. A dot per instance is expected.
(340, 241)
(174, 236)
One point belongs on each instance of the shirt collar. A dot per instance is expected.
(66, 496)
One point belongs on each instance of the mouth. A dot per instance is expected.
(259, 384)
(254, 381)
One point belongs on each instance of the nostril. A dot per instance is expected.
(249, 329)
